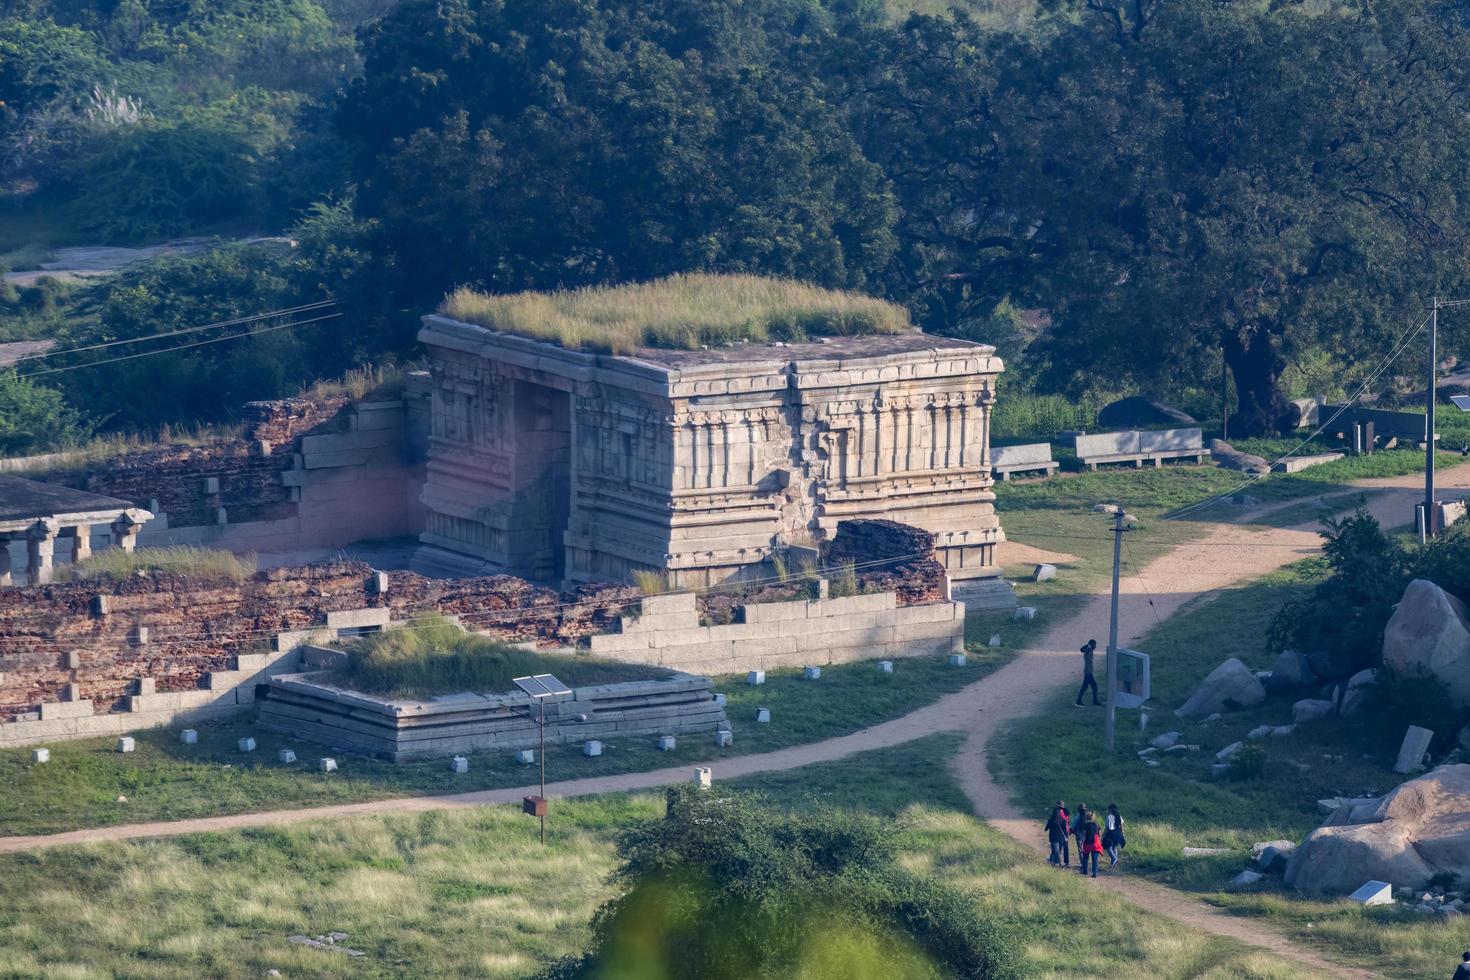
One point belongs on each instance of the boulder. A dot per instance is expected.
(1247, 878)
(1136, 411)
(1231, 458)
(1260, 731)
(1429, 634)
(1165, 741)
(1273, 859)
(1043, 573)
(1423, 829)
(1289, 672)
(1230, 685)
(1281, 731)
(1359, 692)
(1228, 752)
(1310, 710)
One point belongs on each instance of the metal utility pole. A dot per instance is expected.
(1111, 722)
(1426, 530)
(543, 768)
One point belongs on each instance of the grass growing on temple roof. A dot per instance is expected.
(185, 560)
(434, 656)
(680, 311)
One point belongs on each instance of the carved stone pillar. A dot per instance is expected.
(81, 543)
(40, 550)
(125, 530)
(5, 578)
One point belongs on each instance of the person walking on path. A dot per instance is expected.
(1462, 972)
(1088, 678)
(1078, 823)
(1113, 840)
(1057, 829)
(1090, 845)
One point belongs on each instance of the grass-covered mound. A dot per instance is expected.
(210, 563)
(681, 311)
(437, 657)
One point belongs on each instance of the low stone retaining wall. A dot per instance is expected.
(783, 634)
(301, 706)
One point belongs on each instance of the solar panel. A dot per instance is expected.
(1462, 402)
(542, 686)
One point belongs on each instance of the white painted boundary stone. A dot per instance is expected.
(724, 739)
(526, 757)
(1373, 893)
(459, 765)
(126, 744)
(189, 737)
(994, 640)
(1412, 752)
(247, 745)
(667, 743)
(592, 748)
(1044, 573)
(327, 765)
(703, 776)
(755, 677)
(1027, 613)
(41, 755)
(885, 666)
(811, 673)
(721, 700)
(763, 716)
(286, 756)
(956, 659)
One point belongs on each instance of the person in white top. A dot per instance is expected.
(1113, 840)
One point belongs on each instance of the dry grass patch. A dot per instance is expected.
(185, 560)
(681, 311)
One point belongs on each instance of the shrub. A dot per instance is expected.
(186, 561)
(1249, 762)
(434, 656)
(34, 418)
(844, 583)
(727, 887)
(650, 582)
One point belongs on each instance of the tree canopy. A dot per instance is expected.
(728, 887)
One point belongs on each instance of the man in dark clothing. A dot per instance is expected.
(1462, 972)
(1057, 829)
(1088, 680)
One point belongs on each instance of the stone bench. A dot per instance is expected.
(1407, 426)
(1035, 457)
(1140, 447)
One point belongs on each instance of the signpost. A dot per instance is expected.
(541, 688)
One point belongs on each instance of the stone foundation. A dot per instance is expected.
(302, 706)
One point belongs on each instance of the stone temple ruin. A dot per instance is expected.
(568, 466)
(520, 487)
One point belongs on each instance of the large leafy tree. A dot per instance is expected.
(1178, 181)
(523, 144)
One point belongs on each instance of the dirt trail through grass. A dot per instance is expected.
(1227, 554)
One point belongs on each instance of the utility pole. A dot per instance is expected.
(1426, 530)
(1224, 397)
(1110, 724)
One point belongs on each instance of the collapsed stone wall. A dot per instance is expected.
(104, 635)
(247, 470)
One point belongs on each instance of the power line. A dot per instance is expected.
(179, 347)
(289, 311)
(1399, 348)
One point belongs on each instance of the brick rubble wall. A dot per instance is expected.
(197, 626)
(890, 557)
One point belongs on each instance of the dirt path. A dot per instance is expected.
(1227, 554)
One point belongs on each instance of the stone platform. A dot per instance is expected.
(398, 729)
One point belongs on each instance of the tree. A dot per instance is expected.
(727, 887)
(34, 418)
(1174, 182)
(526, 144)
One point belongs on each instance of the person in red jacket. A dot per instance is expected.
(1090, 845)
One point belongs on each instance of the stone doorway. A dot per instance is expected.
(543, 482)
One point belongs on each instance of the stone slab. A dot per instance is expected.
(1413, 750)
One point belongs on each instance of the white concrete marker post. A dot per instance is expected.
(286, 756)
(189, 736)
(703, 777)
(592, 748)
(327, 765)
(126, 744)
(247, 745)
(459, 765)
(41, 755)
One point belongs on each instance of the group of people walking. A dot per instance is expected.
(1093, 838)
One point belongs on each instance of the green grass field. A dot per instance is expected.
(1059, 755)
(164, 780)
(471, 893)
